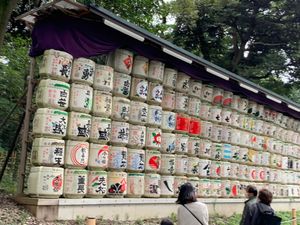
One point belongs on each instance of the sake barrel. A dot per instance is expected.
(243, 105)
(168, 143)
(48, 152)
(216, 151)
(79, 127)
(97, 184)
(215, 186)
(215, 170)
(168, 121)
(135, 185)
(45, 182)
(236, 137)
(261, 174)
(101, 129)
(225, 189)
(252, 108)
(204, 167)
(226, 134)
(226, 152)
(181, 102)
(121, 84)
(207, 93)
(234, 185)
(153, 138)
(140, 66)
(195, 87)
(156, 71)
(120, 109)
(77, 154)
(103, 79)
(284, 161)
(181, 144)
(258, 126)
(154, 116)
(182, 123)
(98, 157)
(81, 98)
(167, 164)
(178, 181)
(234, 171)
(155, 95)
(195, 127)
(139, 89)
(235, 102)
(56, 65)
(205, 111)
(153, 161)
(206, 129)
(235, 152)
(117, 158)
(260, 111)
(225, 169)
(226, 116)
(53, 94)
(83, 71)
(182, 82)
(170, 78)
(235, 119)
(168, 101)
(227, 99)
(265, 158)
(204, 188)
(138, 113)
(181, 165)
(137, 136)
(194, 144)
(121, 60)
(167, 186)
(205, 149)
(215, 114)
(244, 172)
(50, 122)
(218, 94)
(244, 155)
(152, 185)
(194, 106)
(119, 133)
(253, 173)
(193, 166)
(102, 103)
(117, 184)
(216, 133)
(75, 183)
(135, 160)
(195, 182)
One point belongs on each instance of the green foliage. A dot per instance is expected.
(8, 184)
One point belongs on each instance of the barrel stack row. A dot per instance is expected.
(143, 129)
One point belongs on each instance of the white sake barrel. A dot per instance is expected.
(216, 151)
(139, 89)
(227, 99)
(236, 136)
(181, 144)
(135, 160)
(253, 173)
(170, 78)
(140, 66)
(195, 182)
(45, 182)
(101, 130)
(182, 123)
(83, 71)
(121, 84)
(205, 111)
(284, 161)
(261, 174)
(97, 184)
(258, 126)
(194, 106)
(215, 169)
(181, 165)
(215, 186)
(243, 105)
(183, 82)
(117, 184)
(98, 157)
(168, 121)
(138, 113)
(193, 166)
(168, 143)
(121, 60)
(152, 186)
(119, 133)
(234, 171)
(56, 65)
(235, 152)
(135, 185)
(283, 121)
(156, 71)
(207, 93)
(79, 126)
(153, 138)
(194, 146)
(215, 114)
(168, 101)
(102, 103)
(235, 102)
(153, 161)
(50, 122)
(167, 164)
(225, 189)
(244, 172)
(252, 108)
(195, 88)
(226, 134)
(260, 111)
(234, 188)
(120, 109)
(244, 155)
(48, 152)
(206, 129)
(81, 98)
(53, 94)
(195, 127)
(167, 186)
(216, 133)
(104, 76)
(155, 94)
(225, 170)
(76, 154)
(204, 167)
(117, 158)
(181, 102)
(226, 152)
(218, 94)
(226, 116)
(154, 116)
(178, 181)
(204, 188)
(137, 136)
(75, 183)
(235, 119)
(205, 149)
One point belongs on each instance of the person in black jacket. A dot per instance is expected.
(251, 193)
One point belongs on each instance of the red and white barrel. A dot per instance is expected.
(207, 93)
(167, 186)
(81, 98)
(205, 149)
(195, 127)
(182, 123)
(101, 129)
(117, 184)
(140, 66)
(205, 111)
(181, 102)
(194, 106)
(137, 136)
(152, 185)
(194, 144)
(204, 167)
(97, 184)
(168, 101)
(153, 138)
(193, 166)
(206, 129)
(261, 174)
(168, 164)
(181, 166)
(235, 189)
(83, 71)
(182, 82)
(119, 133)
(170, 78)
(75, 183)
(227, 99)
(168, 121)
(121, 60)
(104, 76)
(253, 173)
(195, 88)
(117, 158)
(135, 185)
(76, 154)
(178, 181)
(204, 188)
(156, 71)
(102, 103)
(154, 116)
(138, 113)
(153, 161)
(215, 170)
(135, 160)
(98, 157)
(181, 144)
(121, 84)
(168, 143)
(155, 94)
(139, 89)
(218, 94)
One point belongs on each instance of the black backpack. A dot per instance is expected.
(268, 217)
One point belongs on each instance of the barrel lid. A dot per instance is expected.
(58, 53)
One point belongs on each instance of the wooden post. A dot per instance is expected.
(294, 217)
(90, 221)
(25, 131)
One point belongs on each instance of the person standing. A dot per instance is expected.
(190, 211)
(251, 193)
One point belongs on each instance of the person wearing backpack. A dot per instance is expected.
(251, 193)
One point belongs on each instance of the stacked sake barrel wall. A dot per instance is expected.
(137, 128)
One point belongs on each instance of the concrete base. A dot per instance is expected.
(133, 208)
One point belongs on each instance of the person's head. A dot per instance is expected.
(166, 222)
(265, 196)
(251, 191)
(186, 194)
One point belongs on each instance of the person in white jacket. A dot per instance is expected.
(190, 211)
